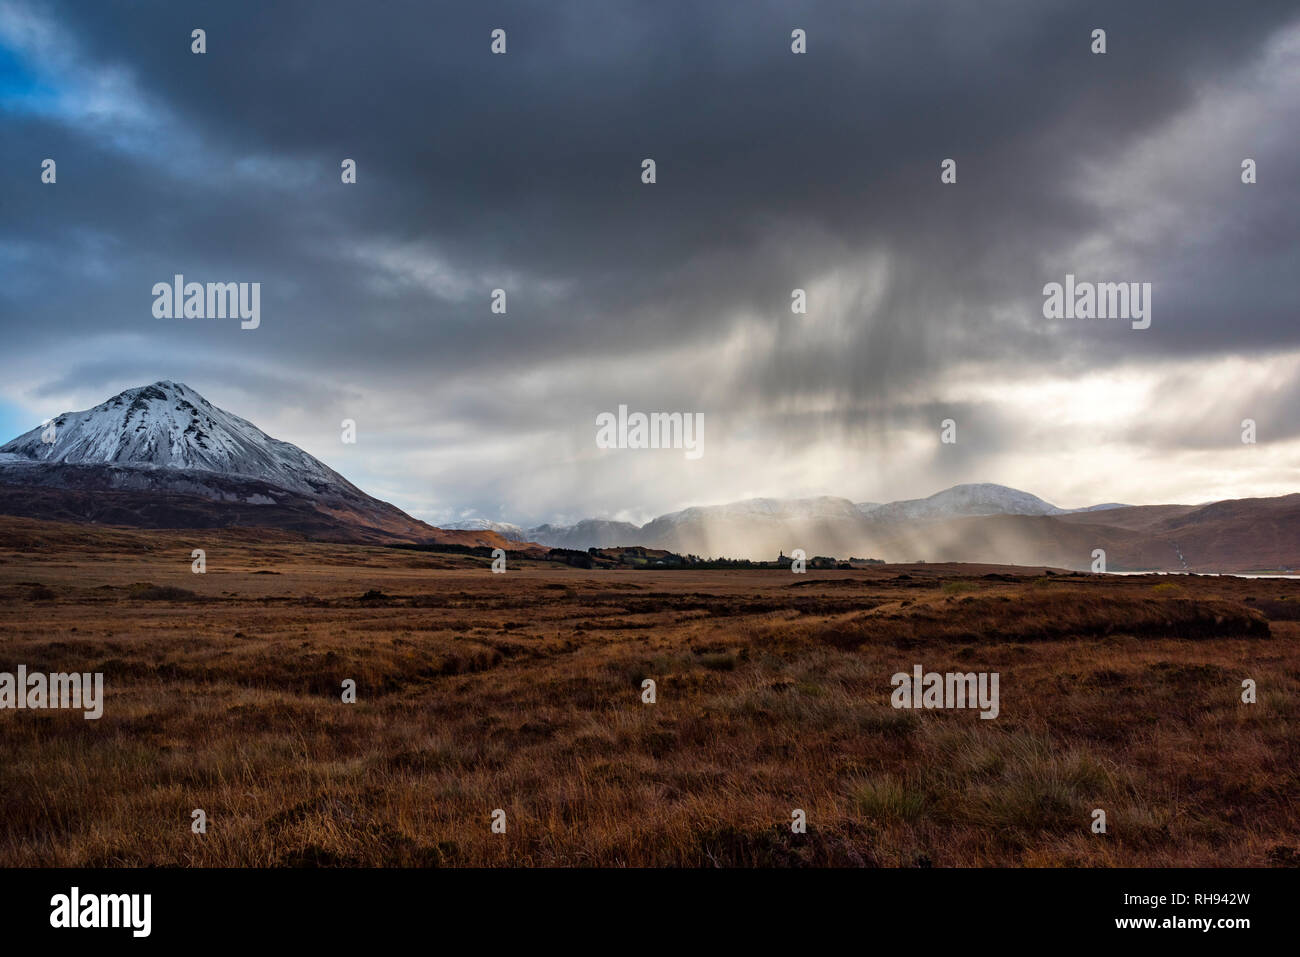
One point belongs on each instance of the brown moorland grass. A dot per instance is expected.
(523, 692)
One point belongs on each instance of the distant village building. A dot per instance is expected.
(820, 561)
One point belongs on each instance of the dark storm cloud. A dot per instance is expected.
(522, 171)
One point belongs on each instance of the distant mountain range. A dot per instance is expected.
(696, 527)
(162, 456)
(970, 523)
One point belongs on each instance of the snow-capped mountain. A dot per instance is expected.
(589, 533)
(962, 501)
(162, 456)
(169, 425)
(823, 507)
(511, 533)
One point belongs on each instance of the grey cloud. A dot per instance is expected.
(775, 171)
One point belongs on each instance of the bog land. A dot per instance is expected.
(523, 692)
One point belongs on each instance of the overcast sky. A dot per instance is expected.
(775, 171)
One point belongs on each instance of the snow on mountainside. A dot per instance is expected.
(825, 506)
(168, 425)
(962, 501)
(506, 530)
(589, 533)
(162, 456)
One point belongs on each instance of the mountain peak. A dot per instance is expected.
(168, 425)
(969, 499)
(167, 385)
(163, 456)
